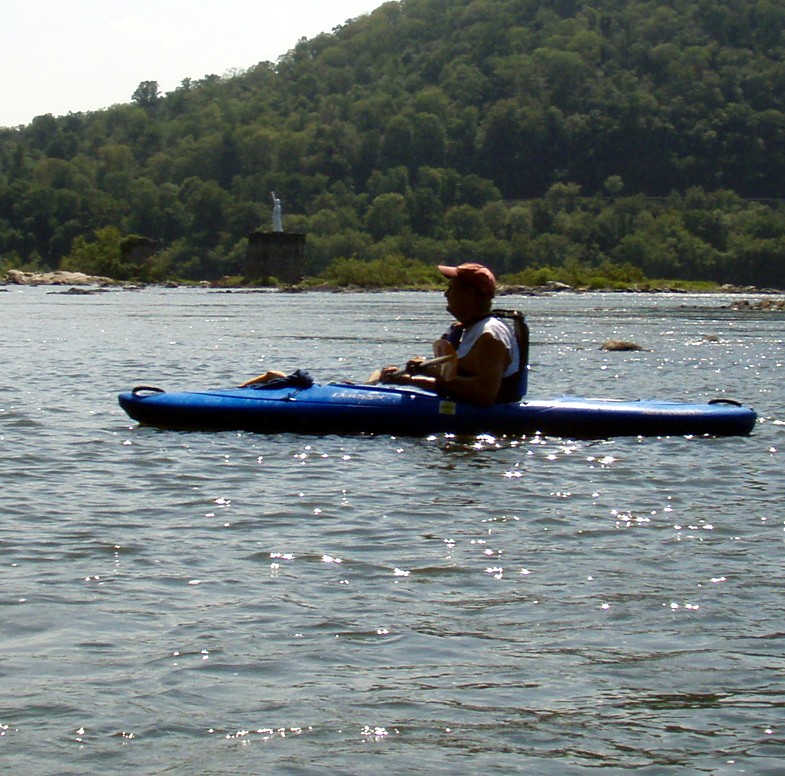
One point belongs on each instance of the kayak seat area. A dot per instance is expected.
(517, 322)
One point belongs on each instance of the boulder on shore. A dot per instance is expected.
(58, 278)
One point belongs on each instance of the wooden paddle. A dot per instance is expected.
(374, 378)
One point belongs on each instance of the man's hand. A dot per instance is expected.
(390, 374)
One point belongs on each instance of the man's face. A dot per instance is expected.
(462, 299)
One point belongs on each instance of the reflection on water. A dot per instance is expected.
(229, 602)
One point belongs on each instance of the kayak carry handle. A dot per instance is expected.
(732, 402)
(146, 389)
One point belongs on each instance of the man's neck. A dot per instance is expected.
(476, 319)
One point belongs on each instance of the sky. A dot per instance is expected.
(86, 55)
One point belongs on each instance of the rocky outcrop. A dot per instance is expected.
(762, 304)
(58, 278)
(82, 291)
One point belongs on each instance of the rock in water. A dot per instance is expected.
(620, 345)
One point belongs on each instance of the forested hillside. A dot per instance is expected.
(514, 132)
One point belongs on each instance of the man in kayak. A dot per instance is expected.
(486, 366)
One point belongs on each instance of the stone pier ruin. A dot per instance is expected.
(275, 255)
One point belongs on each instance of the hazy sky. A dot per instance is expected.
(84, 55)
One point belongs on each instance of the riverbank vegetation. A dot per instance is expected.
(630, 140)
(400, 273)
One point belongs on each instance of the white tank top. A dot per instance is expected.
(499, 331)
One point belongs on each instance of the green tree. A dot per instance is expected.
(147, 94)
(101, 256)
(428, 140)
(205, 204)
(387, 215)
(464, 222)
(396, 147)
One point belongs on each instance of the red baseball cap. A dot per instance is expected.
(476, 275)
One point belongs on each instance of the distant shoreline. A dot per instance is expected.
(81, 283)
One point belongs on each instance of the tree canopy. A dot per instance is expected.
(515, 132)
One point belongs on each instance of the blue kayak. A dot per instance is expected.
(346, 408)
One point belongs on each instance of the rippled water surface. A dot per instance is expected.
(220, 603)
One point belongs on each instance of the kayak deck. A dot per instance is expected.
(346, 408)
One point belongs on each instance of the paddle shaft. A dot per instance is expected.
(425, 364)
(374, 378)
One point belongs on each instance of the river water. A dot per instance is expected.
(225, 603)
